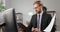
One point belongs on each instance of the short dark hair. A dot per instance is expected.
(45, 9)
(37, 2)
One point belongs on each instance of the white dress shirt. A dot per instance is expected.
(40, 18)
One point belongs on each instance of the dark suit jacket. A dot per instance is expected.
(46, 18)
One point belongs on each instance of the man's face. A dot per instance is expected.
(38, 8)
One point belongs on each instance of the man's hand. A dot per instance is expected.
(36, 30)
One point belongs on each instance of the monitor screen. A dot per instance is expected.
(10, 20)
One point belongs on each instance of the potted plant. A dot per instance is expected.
(2, 7)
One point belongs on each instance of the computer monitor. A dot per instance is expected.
(10, 20)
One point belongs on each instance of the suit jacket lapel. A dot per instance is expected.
(35, 21)
(42, 20)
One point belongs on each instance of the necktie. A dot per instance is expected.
(38, 22)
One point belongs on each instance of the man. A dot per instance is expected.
(40, 20)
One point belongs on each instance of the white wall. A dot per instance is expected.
(25, 6)
(8, 4)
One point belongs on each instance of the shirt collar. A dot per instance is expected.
(40, 13)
